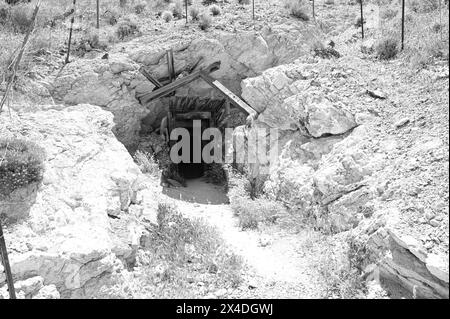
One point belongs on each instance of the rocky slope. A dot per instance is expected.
(65, 242)
(361, 156)
(113, 81)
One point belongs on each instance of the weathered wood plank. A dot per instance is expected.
(150, 77)
(192, 115)
(236, 100)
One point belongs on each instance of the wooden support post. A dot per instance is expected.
(362, 18)
(149, 77)
(70, 32)
(170, 65)
(98, 14)
(6, 266)
(233, 98)
(403, 24)
(313, 10)
(253, 9)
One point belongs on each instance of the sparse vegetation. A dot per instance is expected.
(177, 10)
(194, 12)
(216, 174)
(297, 9)
(140, 7)
(208, 2)
(147, 163)
(21, 17)
(167, 16)
(179, 253)
(205, 21)
(21, 163)
(215, 10)
(387, 48)
(342, 279)
(126, 29)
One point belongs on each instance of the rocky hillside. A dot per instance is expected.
(363, 160)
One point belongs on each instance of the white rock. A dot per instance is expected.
(438, 266)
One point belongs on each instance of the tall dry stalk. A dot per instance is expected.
(16, 61)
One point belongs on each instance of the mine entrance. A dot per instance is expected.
(183, 111)
(187, 112)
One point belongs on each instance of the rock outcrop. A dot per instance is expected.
(115, 83)
(339, 172)
(67, 244)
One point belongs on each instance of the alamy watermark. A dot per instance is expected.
(258, 146)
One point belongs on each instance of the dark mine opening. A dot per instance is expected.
(183, 112)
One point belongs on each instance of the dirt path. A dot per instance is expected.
(277, 265)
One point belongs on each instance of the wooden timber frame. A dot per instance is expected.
(162, 91)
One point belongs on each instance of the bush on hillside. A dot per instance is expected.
(21, 163)
(167, 16)
(194, 12)
(215, 10)
(126, 29)
(21, 18)
(297, 9)
(140, 7)
(146, 163)
(205, 21)
(386, 48)
(208, 2)
(177, 10)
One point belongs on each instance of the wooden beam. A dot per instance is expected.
(170, 65)
(233, 98)
(193, 116)
(169, 88)
(150, 77)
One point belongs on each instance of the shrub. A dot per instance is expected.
(21, 18)
(243, 2)
(358, 22)
(216, 174)
(21, 163)
(112, 16)
(386, 48)
(4, 13)
(205, 21)
(329, 2)
(126, 29)
(167, 16)
(208, 2)
(140, 7)
(388, 14)
(177, 10)
(215, 10)
(123, 3)
(146, 163)
(298, 10)
(253, 212)
(194, 12)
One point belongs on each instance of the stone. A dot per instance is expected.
(402, 122)
(438, 266)
(29, 286)
(48, 292)
(377, 94)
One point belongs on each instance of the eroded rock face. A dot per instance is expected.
(67, 238)
(115, 82)
(335, 170)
